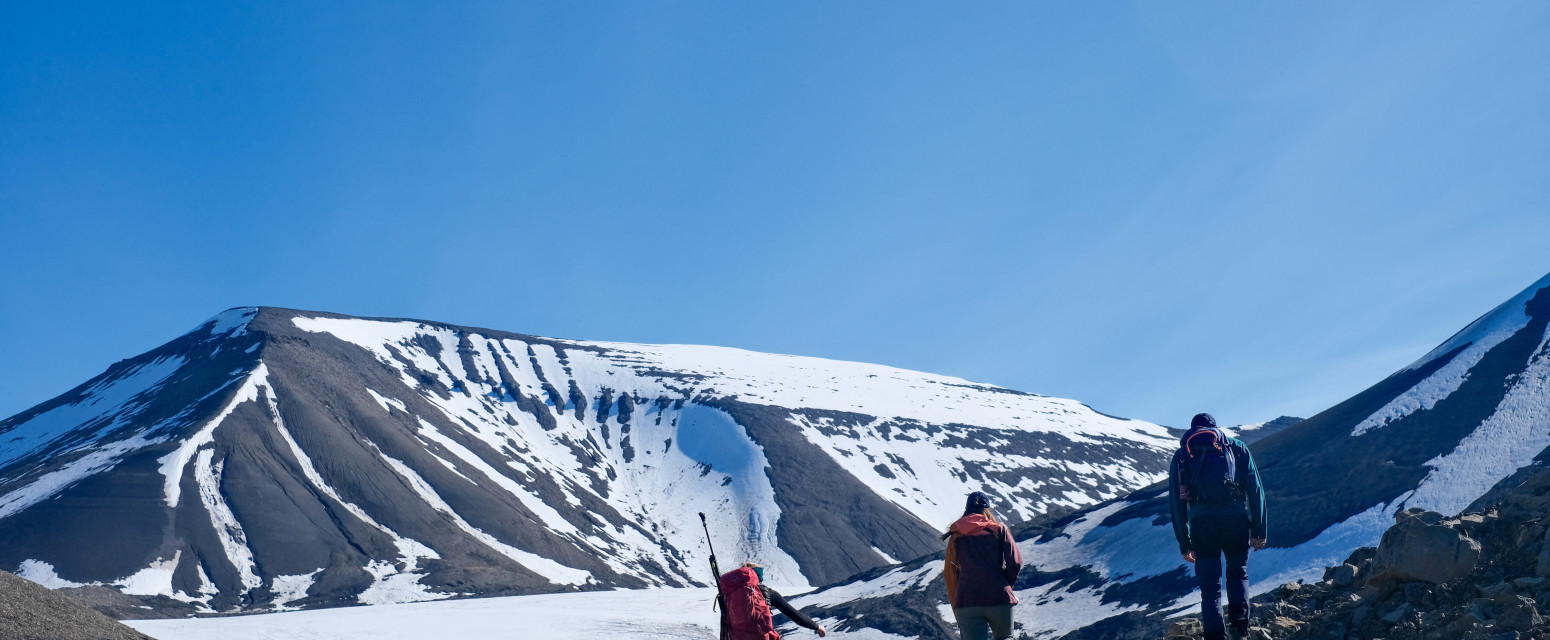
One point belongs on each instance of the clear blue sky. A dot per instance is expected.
(1155, 208)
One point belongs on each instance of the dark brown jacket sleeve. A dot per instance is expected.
(779, 602)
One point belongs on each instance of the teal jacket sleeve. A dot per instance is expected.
(1253, 491)
(1178, 508)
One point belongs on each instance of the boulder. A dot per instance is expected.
(1543, 567)
(1421, 547)
(1520, 616)
(1494, 590)
(1528, 583)
(1281, 625)
(1187, 627)
(1343, 575)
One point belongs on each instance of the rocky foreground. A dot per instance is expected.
(29, 611)
(1483, 575)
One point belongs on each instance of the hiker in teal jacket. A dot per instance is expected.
(1218, 508)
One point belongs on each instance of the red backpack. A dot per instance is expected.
(747, 612)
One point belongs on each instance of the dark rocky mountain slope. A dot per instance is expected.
(275, 459)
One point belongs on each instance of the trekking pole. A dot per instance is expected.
(721, 598)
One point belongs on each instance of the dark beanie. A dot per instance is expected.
(1203, 420)
(977, 502)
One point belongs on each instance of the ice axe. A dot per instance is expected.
(721, 598)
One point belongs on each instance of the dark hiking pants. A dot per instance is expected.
(1215, 537)
(983, 623)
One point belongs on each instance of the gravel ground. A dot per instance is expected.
(29, 611)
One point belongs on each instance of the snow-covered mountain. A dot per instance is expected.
(274, 458)
(1458, 427)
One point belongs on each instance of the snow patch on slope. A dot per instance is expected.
(550, 517)
(1508, 440)
(1480, 336)
(154, 580)
(43, 573)
(392, 586)
(549, 569)
(105, 406)
(227, 528)
(388, 404)
(173, 464)
(873, 390)
(102, 458)
(288, 589)
(231, 322)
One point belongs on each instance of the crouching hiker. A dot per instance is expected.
(747, 615)
(1218, 509)
(981, 568)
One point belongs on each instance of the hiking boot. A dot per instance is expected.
(1234, 634)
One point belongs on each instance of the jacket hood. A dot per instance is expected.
(972, 524)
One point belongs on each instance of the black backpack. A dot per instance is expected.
(1209, 468)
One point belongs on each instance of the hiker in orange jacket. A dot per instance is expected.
(981, 568)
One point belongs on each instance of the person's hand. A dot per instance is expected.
(822, 632)
(1189, 556)
(1258, 543)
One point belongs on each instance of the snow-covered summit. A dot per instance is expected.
(274, 458)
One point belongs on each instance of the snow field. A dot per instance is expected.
(647, 614)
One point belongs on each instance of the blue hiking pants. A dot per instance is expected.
(1215, 537)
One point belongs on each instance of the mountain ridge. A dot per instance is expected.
(276, 458)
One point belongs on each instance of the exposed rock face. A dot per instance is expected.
(1421, 546)
(29, 611)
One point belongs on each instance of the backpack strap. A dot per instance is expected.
(1232, 462)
